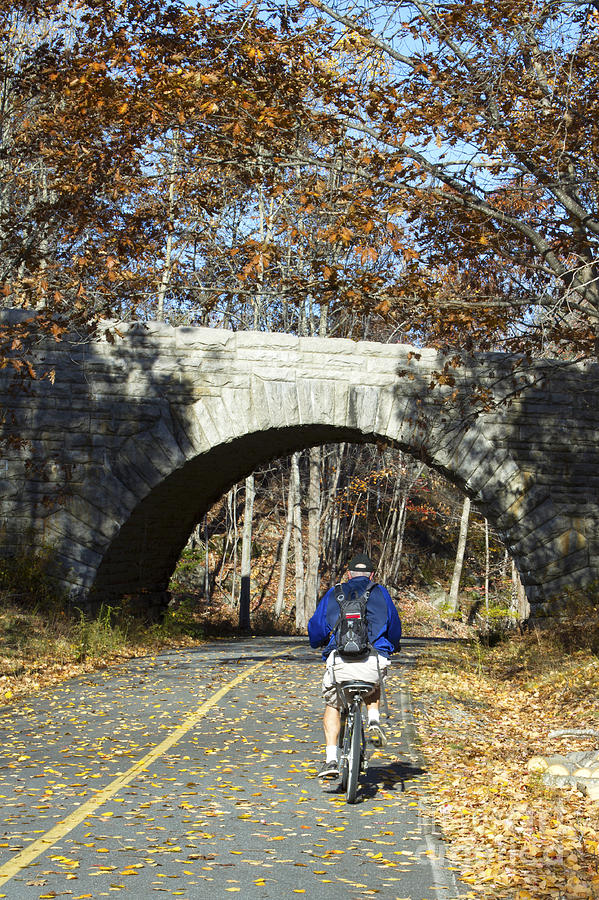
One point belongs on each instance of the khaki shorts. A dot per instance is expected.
(339, 670)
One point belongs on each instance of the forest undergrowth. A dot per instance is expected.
(44, 642)
(481, 714)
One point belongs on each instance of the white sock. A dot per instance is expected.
(331, 752)
(373, 717)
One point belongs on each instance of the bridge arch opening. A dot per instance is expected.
(372, 498)
(142, 556)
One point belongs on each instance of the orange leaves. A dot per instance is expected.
(253, 52)
(209, 78)
(257, 101)
(410, 253)
(340, 234)
(366, 254)
(23, 367)
(209, 107)
(257, 263)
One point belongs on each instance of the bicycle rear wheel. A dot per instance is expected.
(355, 754)
(344, 739)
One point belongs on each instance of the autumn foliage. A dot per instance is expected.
(295, 165)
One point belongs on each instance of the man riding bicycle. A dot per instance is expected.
(384, 633)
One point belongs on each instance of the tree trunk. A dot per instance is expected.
(331, 526)
(386, 559)
(401, 529)
(311, 592)
(300, 611)
(520, 602)
(487, 565)
(280, 602)
(328, 503)
(246, 555)
(227, 540)
(459, 557)
(207, 596)
(265, 233)
(232, 503)
(395, 524)
(170, 224)
(504, 564)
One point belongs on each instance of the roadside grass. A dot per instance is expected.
(482, 712)
(43, 642)
(420, 618)
(44, 639)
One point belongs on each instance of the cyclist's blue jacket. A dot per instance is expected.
(384, 626)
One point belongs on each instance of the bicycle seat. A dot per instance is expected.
(362, 688)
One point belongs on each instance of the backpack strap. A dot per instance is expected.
(365, 596)
(339, 595)
(369, 589)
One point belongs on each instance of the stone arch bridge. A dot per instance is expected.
(113, 462)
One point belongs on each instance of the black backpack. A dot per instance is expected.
(351, 630)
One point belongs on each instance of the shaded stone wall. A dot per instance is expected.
(113, 463)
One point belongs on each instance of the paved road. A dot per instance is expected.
(143, 780)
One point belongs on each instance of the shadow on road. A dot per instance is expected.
(233, 660)
(391, 777)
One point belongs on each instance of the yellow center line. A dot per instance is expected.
(41, 845)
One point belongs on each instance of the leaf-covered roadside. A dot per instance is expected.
(41, 646)
(481, 714)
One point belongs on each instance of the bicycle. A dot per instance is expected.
(352, 737)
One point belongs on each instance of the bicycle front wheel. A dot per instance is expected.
(355, 754)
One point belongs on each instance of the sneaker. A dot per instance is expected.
(330, 770)
(376, 735)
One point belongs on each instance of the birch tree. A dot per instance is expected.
(313, 504)
(301, 619)
(246, 554)
(459, 557)
(289, 521)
